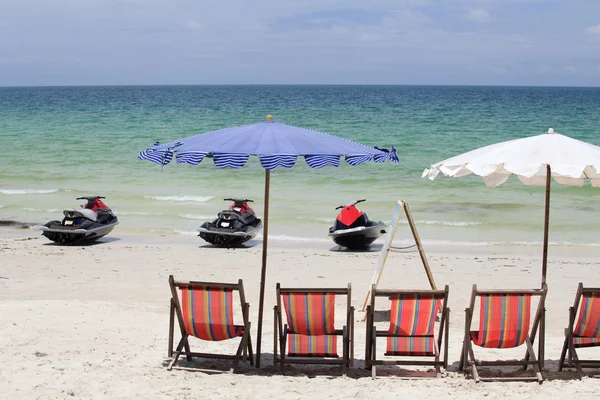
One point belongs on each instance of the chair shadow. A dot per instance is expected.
(549, 371)
(217, 366)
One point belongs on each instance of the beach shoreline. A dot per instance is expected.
(90, 320)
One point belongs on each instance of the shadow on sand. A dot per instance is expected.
(247, 245)
(374, 248)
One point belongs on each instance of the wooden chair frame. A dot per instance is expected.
(280, 331)
(244, 350)
(372, 333)
(468, 356)
(573, 361)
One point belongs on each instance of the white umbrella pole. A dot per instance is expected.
(546, 223)
(263, 272)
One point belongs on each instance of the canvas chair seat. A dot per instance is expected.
(312, 346)
(411, 346)
(220, 332)
(206, 312)
(504, 323)
(307, 334)
(411, 332)
(584, 333)
(579, 341)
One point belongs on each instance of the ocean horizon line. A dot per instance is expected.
(3, 86)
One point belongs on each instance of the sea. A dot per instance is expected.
(59, 143)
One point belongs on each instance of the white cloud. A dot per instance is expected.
(478, 15)
(593, 29)
(570, 69)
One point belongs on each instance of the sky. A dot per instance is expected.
(404, 42)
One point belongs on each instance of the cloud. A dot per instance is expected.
(593, 29)
(478, 15)
(308, 41)
(570, 69)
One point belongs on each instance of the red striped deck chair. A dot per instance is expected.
(584, 333)
(411, 336)
(309, 335)
(206, 312)
(504, 322)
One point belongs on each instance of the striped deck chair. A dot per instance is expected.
(309, 331)
(586, 333)
(504, 322)
(411, 337)
(206, 312)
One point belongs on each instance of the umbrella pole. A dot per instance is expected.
(546, 223)
(263, 272)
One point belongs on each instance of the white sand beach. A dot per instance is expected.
(91, 322)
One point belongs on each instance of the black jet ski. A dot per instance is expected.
(353, 229)
(232, 227)
(93, 221)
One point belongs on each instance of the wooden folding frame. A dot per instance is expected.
(283, 334)
(244, 351)
(467, 354)
(586, 333)
(416, 328)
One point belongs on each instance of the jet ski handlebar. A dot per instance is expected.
(240, 200)
(353, 204)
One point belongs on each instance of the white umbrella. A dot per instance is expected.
(533, 160)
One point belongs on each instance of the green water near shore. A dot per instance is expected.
(61, 143)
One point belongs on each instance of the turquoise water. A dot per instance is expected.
(63, 142)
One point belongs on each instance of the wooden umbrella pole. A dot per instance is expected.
(546, 223)
(263, 272)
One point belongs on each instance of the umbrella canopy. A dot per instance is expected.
(276, 145)
(534, 160)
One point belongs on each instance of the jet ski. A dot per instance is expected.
(93, 221)
(232, 227)
(353, 229)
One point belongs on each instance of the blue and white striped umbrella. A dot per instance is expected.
(276, 145)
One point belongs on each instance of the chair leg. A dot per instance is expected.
(563, 354)
(250, 353)
(446, 337)
(352, 338)
(171, 328)
(345, 351)
(536, 366)
(576, 361)
(282, 343)
(542, 340)
(436, 348)
(275, 333)
(368, 339)
(464, 355)
(473, 363)
(373, 353)
(239, 354)
(245, 344)
(183, 342)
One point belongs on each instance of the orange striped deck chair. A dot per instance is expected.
(206, 312)
(584, 333)
(309, 335)
(411, 336)
(504, 323)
